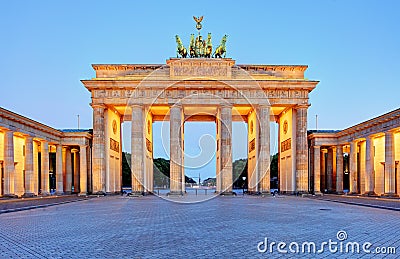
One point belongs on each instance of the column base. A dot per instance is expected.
(100, 193)
(59, 193)
(28, 195)
(318, 194)
(339, 192)
(45, 194)
(175, 193)
(82, 194)
(228, 194)
(370, 194)
(267, 193)
(352, 193)
(67, 192)
(390, 195)
(254, 193)
(135, 194)
(10, 195)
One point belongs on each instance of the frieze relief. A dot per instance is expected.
(180, 93)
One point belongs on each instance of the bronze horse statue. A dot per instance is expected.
(221, 49)
(192, 47)
(208, 50)
(180, 49)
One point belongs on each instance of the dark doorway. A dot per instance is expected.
(346, 174)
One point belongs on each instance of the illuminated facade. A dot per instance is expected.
(37, 159)
(201, 89)
(362, 159)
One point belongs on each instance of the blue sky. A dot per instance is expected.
(352, 47)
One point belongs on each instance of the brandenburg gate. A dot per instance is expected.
(200, 89)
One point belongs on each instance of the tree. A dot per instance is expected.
(239, 170)
(126, 169)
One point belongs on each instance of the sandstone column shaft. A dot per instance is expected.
(76, 171)
(317, 169)
(301, 150)
(353, 167)
(59, 170)
(329, 171)
(29, 177)
(83, 169)
(226, 149)
(98, 150)
(176, 150)
(9, 169)
(389, 164)
(369, 167)
(68, 171)
(264, 150)
(44, 173)
(339, 169)
(137, 158)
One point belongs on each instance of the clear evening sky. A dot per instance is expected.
(352, 47)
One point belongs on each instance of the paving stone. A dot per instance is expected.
(148, 227)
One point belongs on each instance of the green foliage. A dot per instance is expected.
(239, 170)
(161, 172)
(274, 166)
(126, 169)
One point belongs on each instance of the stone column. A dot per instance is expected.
(9, 169)
(76, 170)
(353, 167)
(137, 158)
(390, 180)
(29, 177)
(264, 150)
(68, 171)
(369, 167)
(83, 169)
(44, 172)
(339, 169)
(301, 150)
(59, 170)
(176, 161)
(226, 149)
(329, 171)
(317, 169)
(323, 170)
(98, 150)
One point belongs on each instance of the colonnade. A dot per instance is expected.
(367, 165)
(26, 169)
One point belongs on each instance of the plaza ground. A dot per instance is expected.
(145, 227)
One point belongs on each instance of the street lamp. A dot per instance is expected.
(244, 182)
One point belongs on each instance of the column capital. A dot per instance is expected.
(28, 137)
(389, 133)
(302, 106)
(264, 106)
(175, 105)
(226, 105)
(136, 105)
(98, 105)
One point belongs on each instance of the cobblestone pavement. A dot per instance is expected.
(10, 205)
(224, 227)
(378, 202)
